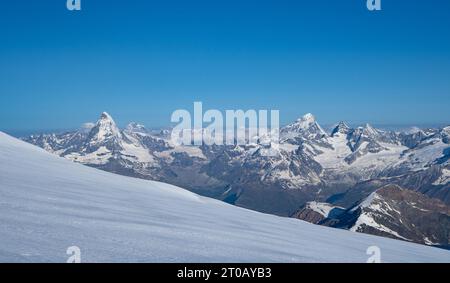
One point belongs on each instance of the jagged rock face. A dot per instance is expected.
(365, 140)
(305, 128)
(341, 168)
(340, 129)
(59, 144)
(309, 215)
(317, 212)
(445, 133)
(399, 213)
(105, 133)
(360, 151)
(389, 211)
(134, 128)
(414, 139)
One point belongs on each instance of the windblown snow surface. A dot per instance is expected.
(48, 203)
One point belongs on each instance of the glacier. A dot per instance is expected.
(48, 203)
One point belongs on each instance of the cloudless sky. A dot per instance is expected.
(141, 60)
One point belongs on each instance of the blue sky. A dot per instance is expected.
(141, 60)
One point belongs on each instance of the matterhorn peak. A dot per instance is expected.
(105, 128)
(107, 121)
(106, 116)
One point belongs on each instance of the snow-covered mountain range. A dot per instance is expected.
(340, 168)
(49, 204)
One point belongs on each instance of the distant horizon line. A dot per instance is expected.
(328, 127)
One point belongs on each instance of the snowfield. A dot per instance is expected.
(48, 204)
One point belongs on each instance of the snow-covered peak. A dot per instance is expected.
(306, 125)
(446, 134)
(366, 133)
(341, 128)
(104, 130)
(370, 131)
(413, 130)
(136, 128)
(107, 121)
(304, 122)
(308, 118)
(378, 196)
(367, 202)
(446, 130)
(105, 116)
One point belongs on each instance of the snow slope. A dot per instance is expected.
(48, 203)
